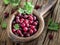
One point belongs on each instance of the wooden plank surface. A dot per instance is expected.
(43, 38)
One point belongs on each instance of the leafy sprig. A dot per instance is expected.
(53, 25)
(28, 8)
(16, 26)
(12, 2)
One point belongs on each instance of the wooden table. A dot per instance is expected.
(43, 38)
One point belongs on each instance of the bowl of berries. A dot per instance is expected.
(25, 27)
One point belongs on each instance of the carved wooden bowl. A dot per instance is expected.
(14, 37)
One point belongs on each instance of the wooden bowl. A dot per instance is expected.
(14, 37)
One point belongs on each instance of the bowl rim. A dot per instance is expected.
(40, 30)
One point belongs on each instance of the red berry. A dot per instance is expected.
(18, 32)
(21, 20)
(25, 29)
(17, 20)
(34, 17)
(6, 14)
(21, 35)
(26, 21)
(13, 30)
(35, 30)
(19, 14)
(35, 23)
(50, 36)
(17, 17)
(25, 16)
(37, 6)
(31, 31)
(32, 27)
(30, 17)
(23, 25)
(27, 25)
(30, 22)
(27, 35)
(13, 22)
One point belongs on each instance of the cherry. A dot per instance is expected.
(27, 25)
(30, 17)
(20, 33)
(26, 21)
(23, 25)
(37, 6)
(50, 36)
(26, 16)
(17, 20)
(13, 30)
(31, 31)
(32, 27)
(27, 35)
(21, 20)
(35, 23)
(17, 17)
(30, 22)
(6, 14)
(19, 14)
(34, 17)
(13, 22)
(35, 30)
(25, 29)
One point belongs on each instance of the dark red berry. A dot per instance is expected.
(17, 20)
(30, 17)
(30, 22)
(13, 22)
(35, 30)
(18, 32)
(21, 35)
(6, 14)
(34, 18)
(37, 6)
(27, 25)
(50, 36)
(26, 21)
(26, 16)
(32, 27)
(31, 31)
(27, 35)
(23, 25)
(35, 23)
(12, 11)
(19, 14)
(25, 29)
(17, 17)
(13, 30)
(21, 20)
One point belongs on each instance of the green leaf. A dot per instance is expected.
(16, 26)
(28, 7)
(20, 10)
(53, 28)
(6, 1)
(53, 25)
(4, 25)
(14, 2)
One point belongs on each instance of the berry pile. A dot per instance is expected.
(25, 25)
